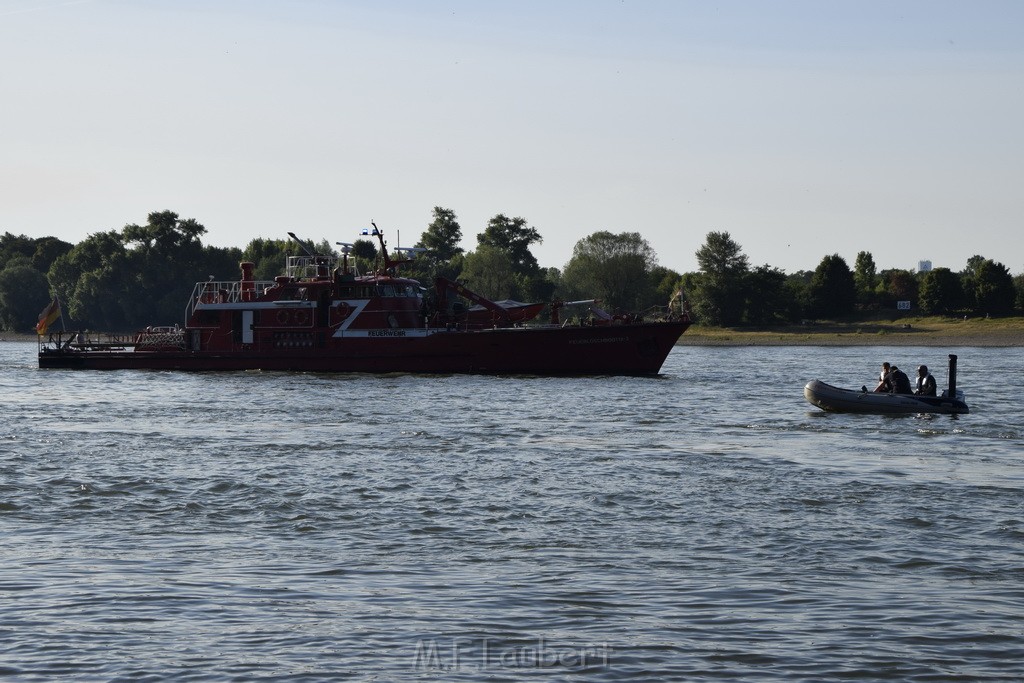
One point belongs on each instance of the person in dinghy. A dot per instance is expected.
(925, 382)
(883, 379)
(892, 381)
(899, 381)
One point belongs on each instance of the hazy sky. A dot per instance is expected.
(802, 128)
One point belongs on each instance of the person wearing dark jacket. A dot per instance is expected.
(899, 381)
(925, 382)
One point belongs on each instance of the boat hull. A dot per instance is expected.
(634, 349)
(837, 400)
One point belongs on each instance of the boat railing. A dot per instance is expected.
(306, 266)
(224, 292)
(659, 313)
(85, 341)
(161, 337)
(77, 342)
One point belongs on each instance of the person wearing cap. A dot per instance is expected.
(925, 382)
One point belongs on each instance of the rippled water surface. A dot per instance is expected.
(705, 524)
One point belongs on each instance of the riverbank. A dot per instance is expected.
(16, 337)
(939, 332)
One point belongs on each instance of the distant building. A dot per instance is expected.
(924, 266)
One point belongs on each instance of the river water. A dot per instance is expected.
(706, 524)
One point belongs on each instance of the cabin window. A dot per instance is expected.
(387, 290)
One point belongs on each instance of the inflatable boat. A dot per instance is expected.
(838, 400)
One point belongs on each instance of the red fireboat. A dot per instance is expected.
(323, 316)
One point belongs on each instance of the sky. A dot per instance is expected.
(801, 128)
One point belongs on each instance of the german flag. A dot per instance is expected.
(49, 316)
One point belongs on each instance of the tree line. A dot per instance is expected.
(121, 280)
(726, 291)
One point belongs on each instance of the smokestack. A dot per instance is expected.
(248, 287)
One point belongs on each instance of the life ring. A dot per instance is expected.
(301, 317)
(282, 317)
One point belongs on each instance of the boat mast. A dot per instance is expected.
(389, 265)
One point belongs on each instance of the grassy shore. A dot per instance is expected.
(878, 331)
(902, 331)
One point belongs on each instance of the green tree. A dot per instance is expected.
(450, 270)
(833, 291)
(142, 275)
(553, 276)
(767, 298)
(615, 268)
(163, 234)
(441, 238)
(443, 255)
(968, 280)
(690, 282)
(718, 295)
(940, 292)
(489, 271)
(798, 295)
(321, 248)
(896, 284)
(95, 281)
(865, 277)
(663, 283)
(993, 289)
(974, 264)
(514, 237)
(268, 257)
(15, 245)
(24, 292)
(365, 254)
(901, 285)
(534, 287)
(166, 259)
(48, 249)
(223, 262)
(42, 252)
